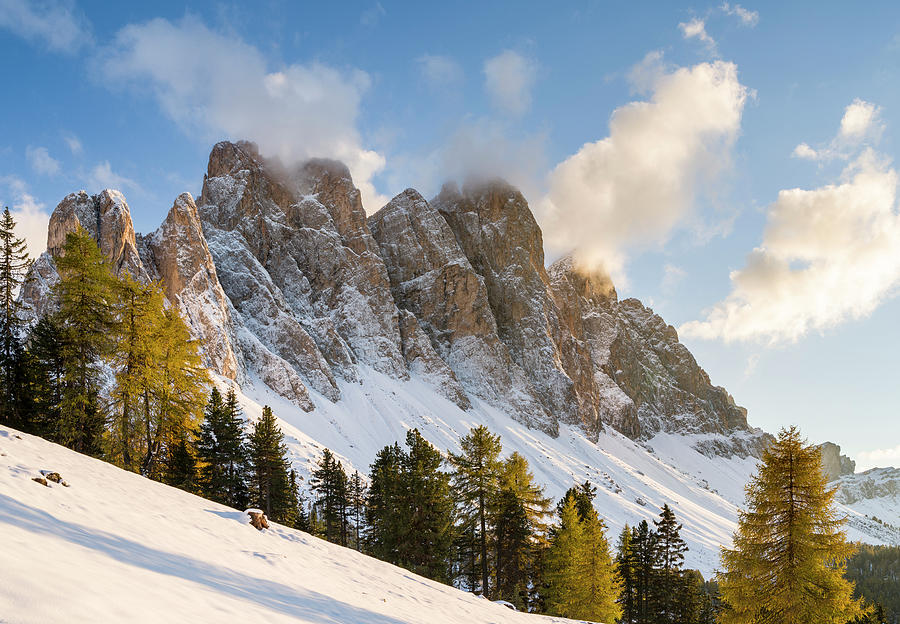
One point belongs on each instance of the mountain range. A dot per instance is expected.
(442, 314)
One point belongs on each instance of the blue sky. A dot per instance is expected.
(663, 142)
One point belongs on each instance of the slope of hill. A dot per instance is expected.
(115, 547)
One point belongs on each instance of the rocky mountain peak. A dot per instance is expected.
(107, 219)
(835, 465)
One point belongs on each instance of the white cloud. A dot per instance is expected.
(30, 215)
(806, 152)
(439, 72)
(672, 276)
(51, 22)
(696, 29)
(508, 79)
(860, 120)
(218, 85)
(828, 255)
(102, 177)
(878, 458)
(747, 17)
(860, 125)
(74, 144)
(41, 160)
(637, 185)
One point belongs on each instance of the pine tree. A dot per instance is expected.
(385, 489)
(425, 547)
(85, 297)
(626, 568)
(643, 548)
(565, 563)
(669, 555)
(519, 532)
(602, 586)
(14, 264)
(271, 488)
(476, 477)
(357, 499)
(330, 482)
(221, 452)
(139, 309)
(45, 372)
(177, 392)
(181, 467)
(789, 551)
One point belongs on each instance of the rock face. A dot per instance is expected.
(432, 279)
(177, 254)
(284, 280)
(835, 465)
(296, 258)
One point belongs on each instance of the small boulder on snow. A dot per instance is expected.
(258, 519)
(55, 477)
(41, 480)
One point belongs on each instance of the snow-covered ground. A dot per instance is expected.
(115, 547)
(634, 480)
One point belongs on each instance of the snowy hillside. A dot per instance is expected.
(634, 479)
(115, 547)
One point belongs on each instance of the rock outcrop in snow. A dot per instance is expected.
(835, 465)
(284, 280)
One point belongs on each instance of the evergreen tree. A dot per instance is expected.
(669, 555)
(181, 468)
(139, 312)
(519, 532)
(357, 500)
(329, 481)
(476, 478)
(602, 586)
(270, 472)
(643, 557)
(385, 490)
(45, 372)
(221, 452)
(583, 495)
(626, 567)
(301, 520)
(565, 563)
(85, 295)
(789, 551)
(14, 264)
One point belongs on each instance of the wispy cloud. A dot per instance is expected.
(509, 79)
(41, 161)
(293, 112)
(860, 125)
(747, 17)
(55, 24)
(439, 72)
(372, 15)
(101, 177)
(696, 29)
(878, 458)
(74, 144)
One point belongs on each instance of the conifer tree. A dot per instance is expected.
(519, 531)
(271, 488)
(45, 371)
(357, 500)
(329, 481)
(564, 564)
(181, 467)
(669, 555)
(626, 568)
(789, 552)
(602, 585)
(177, 392)
(139, 309)
(476, 477)
(85, 297)
(643, 557)
(385, 489)
(221, 452)
(14, 264)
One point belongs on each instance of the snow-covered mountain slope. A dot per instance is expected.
(115, 547)
(634, 479)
